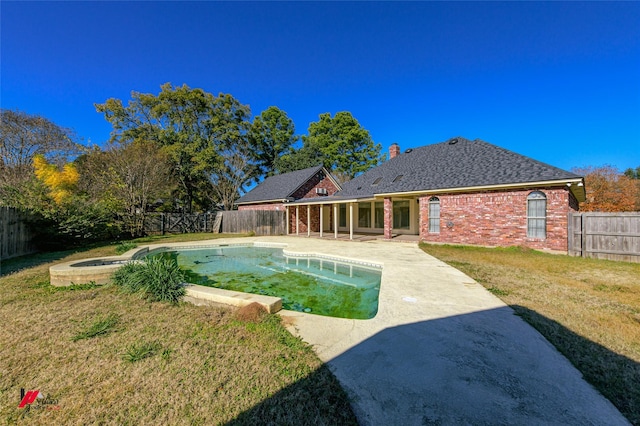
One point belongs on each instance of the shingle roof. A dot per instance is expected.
(279, 187)
(456, 163)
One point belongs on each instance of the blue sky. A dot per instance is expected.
(556, 81)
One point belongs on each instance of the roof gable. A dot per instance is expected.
(280, 187)
(456, 163)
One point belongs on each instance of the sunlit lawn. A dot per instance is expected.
(107, 357)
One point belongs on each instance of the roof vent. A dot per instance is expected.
(408, 150)
(453, 141)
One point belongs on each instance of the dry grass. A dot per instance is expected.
(589, 309)
(156, 364)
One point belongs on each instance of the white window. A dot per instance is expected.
(342, 215)
(401, 215)
(537, 215)
(379, 215)
(364, 215)
(434, 215)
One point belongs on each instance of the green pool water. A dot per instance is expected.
(312, 285)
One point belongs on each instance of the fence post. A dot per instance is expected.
(583, 235)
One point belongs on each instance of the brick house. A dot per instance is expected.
(458, 191)
(276, 191)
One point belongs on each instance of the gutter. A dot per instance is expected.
(571, 183)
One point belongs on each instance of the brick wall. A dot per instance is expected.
(302, 221)
(308, 190)
(497, 219)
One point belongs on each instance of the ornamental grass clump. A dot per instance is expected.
(158, 278)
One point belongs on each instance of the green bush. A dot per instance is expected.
(159, 278)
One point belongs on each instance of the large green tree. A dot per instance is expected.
(339, 143)
(192, 126)
(272, 135)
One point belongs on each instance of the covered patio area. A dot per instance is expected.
(361, 219)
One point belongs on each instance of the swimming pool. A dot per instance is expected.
(308, 284)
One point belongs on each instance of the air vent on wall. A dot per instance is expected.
(321, 191)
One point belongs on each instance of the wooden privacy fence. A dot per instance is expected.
(614, 236)
(262, 222)
(15, 236)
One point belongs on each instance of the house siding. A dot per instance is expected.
(497, 219)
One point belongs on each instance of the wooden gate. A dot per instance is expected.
(613, 236)
(179, 223)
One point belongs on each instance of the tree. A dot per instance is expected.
(608, 190)
(299, 159)
(22, 137)
(635, 175)
(632, 173)
(233, 173)
(271, 136)
(60, 214)
(128, 179)
(191, 125)
(60, 183)
(339, 143)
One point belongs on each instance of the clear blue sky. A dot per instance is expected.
(559, 82)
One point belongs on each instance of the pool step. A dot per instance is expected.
(234, 298)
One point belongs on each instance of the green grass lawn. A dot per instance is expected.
(587, 308)
(113, 358)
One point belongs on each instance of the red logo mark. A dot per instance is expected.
(28, 398)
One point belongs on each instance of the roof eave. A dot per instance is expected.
(576, 186)
(314, 201)
(280, 200)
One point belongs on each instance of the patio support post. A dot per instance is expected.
(388, 218)
(297, 220)
(288, 219)
(320, 212)
(335, 221)
(308, 220)
(351, 221)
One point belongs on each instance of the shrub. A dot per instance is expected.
(160, 278)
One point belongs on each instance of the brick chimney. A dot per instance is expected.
(394, 150)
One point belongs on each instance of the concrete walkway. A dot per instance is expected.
(442, 350)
